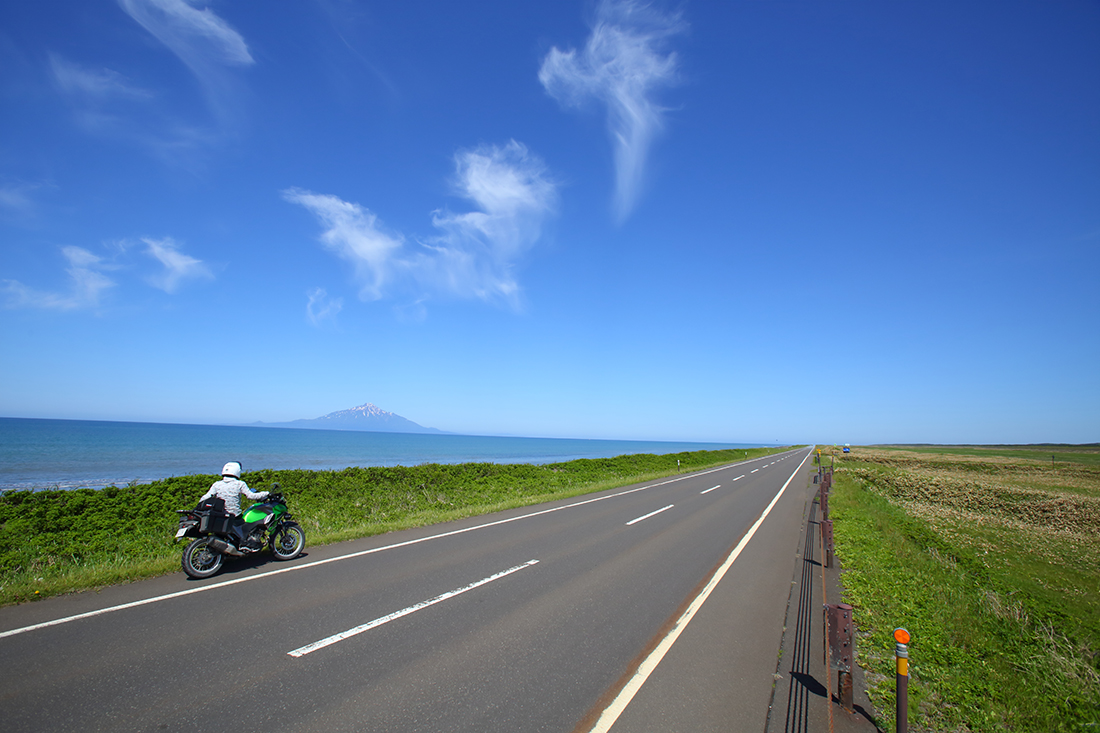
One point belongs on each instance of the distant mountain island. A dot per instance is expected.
(365, 417)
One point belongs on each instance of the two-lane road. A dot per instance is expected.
(535, 619)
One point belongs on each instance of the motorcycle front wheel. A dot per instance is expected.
(199, 561)
(288, 542)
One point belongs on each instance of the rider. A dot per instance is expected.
(229, 490)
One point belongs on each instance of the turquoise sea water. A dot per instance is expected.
(40, 454)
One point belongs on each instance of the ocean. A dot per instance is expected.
(67, 454)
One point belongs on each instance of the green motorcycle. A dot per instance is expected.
(217, 535)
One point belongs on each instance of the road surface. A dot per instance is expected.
(653, 607)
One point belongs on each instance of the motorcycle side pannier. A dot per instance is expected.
(214, 523)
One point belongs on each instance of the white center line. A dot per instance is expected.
(302, 651)
(635, 521)
(754, 470)
(739, 477)
(712, 488)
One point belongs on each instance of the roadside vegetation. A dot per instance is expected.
(991, 559)
(59, 541)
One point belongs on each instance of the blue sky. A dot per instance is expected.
(796, 222)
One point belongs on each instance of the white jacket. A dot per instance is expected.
(229, 490)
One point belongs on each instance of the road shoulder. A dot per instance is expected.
(803, 684)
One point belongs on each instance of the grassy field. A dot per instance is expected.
(990, 557)
(62, 541)
(1053, 454)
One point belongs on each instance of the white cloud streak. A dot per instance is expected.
(199, 37)
(475, 254)
(622, 65)
(103, 101)
(14, 198)
(177, 266)
(94, 84)
(321, 307)
(478, 251)
(87, 282)
(353, 234)
(206, 44)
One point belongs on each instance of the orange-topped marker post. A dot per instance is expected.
(901, 652)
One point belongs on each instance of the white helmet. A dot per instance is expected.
(233, 468)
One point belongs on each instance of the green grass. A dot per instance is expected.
(1000, 590)
(57, 541)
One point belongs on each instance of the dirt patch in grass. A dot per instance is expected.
(1029, 505)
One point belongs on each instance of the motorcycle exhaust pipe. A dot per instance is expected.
(224, 548)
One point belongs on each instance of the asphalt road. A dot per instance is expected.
(535, 619)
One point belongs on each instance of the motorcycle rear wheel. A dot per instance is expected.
(199, 561)
(288, 542)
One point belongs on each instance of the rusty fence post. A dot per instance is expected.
(827, 540)
(839, 627)
(901, 652)
(824, 501)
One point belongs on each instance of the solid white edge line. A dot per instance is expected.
(651, 514)
(612, 712)
(712, 488)
(293, 568)
(328, 641)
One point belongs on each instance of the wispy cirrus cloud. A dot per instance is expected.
(88, 279)
(353, 234)
(93, 84)
(475, 254)
(86, 283)
(622, 65)
(321, 307)
(103, 100)
(177, 265)
(213, 51)
(16, 197)
(201, 39)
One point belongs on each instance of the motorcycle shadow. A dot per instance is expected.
(236, 565)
